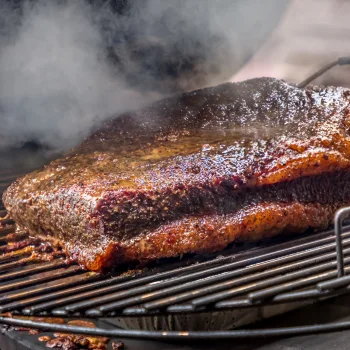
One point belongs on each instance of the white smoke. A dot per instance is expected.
(57, 81)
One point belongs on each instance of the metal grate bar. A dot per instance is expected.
(151, 278)
(270, 292)
(51, 300)
(247, 278)
(7, 229)
(284, 297)
(33, 270)
(176, 285)
(333, 284)
(60, 282)
(40, 279)
(8, 175)
(5, 220)
(112, 284)
(7, 259)
(15, 305)
(214, 298)
(13, 237)
(256, 277)
(289, 296)
(253, 298)
(6, 266)
(74, 293)
(201, 278)
(305, 268)
(164, 302)
(3, 187)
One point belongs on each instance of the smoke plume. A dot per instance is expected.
(66, 66)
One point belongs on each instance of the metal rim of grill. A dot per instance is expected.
(313, 267)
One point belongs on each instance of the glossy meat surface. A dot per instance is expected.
(193, 173)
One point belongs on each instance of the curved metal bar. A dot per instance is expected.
(192, 335)
(340, 61)
(340, 215)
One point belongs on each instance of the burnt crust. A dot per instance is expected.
(203, 155)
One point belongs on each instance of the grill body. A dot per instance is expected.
(334, 309)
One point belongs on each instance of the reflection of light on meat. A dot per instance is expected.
(203, 140)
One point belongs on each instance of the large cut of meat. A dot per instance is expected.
(192, 173)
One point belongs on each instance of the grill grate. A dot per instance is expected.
(302, 269)
(312, 267)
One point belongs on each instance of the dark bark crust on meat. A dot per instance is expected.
(190, 174)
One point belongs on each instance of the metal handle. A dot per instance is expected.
(340, 61)
(340, 215)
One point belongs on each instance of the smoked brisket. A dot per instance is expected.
(193, 173)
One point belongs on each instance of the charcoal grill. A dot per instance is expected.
(296, 272)
(275, 276)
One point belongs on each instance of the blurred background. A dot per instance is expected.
(67, 66)
(310, 34)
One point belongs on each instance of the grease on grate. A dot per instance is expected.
(76, 341)
(117, 345)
